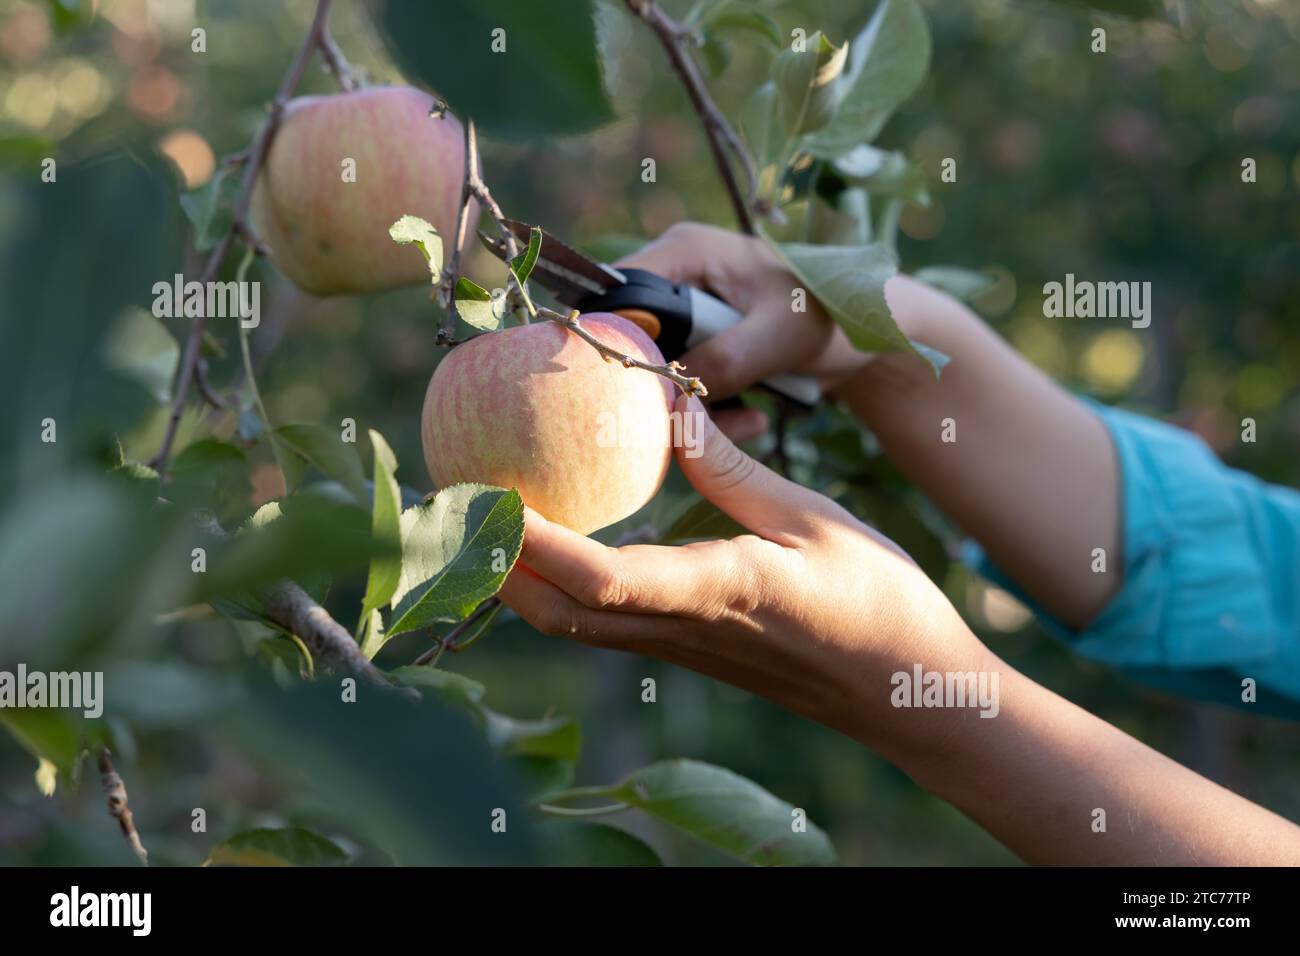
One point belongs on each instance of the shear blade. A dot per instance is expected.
(564, 270)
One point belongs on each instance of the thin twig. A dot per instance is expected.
(205, 389)
(474, 188)
(118, 808)
(690, 385)
(337, 63)
(450, 640)
(451, 271)
(237, 158)
(721, 136)
(244, 230)
(257, 152)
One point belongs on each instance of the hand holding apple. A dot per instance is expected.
(814, 610)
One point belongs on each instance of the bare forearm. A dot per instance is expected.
(1044, 776)
(1028, 470)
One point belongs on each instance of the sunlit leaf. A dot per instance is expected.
(888, 62)
(412, 230)
(456, 552)
(386, 527)
(477, 306)
(806, 80)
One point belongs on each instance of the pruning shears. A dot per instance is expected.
(677, 316)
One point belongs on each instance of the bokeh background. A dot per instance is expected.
(1117, 166)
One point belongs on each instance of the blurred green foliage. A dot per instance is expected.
(1123, 165)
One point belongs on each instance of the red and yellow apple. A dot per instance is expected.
(325, 220)
(586, 440)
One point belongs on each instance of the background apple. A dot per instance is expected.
(585, 440)
(330, 235)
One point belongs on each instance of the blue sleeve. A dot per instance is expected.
(1211, 563)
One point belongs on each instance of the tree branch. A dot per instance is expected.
(293, 609)
(252, 166)
(338, 64)
(118, 808)
(298, 613)
(720, 134)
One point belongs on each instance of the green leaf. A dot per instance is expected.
(522, 264)
(849, 282)
(479, 307)
(412, 230)
(889, 61)
(703, 11)
(325, 448)
(760, 121)
(936, 358)
(542, 753)
(964, 284)
(887, 226)
(883, 173)
(719, 808)
(370, 633)
(456, 552)
(569, 843)
(290, 846)
(545, 82)
(806, 79)
(751, 21)
(556, 737)
(845, 221)
(53, 737)
(211, 474)
(702, 521)
(211, 207)
(140, 348)
(617, 33)
(386, 527)
(716, 52)
(447, 685)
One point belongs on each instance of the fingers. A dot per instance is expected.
(691, 581)
(558, 614)
(760, 499)
(685, 252)
(769, 340)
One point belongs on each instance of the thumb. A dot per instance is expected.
(751, 493)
